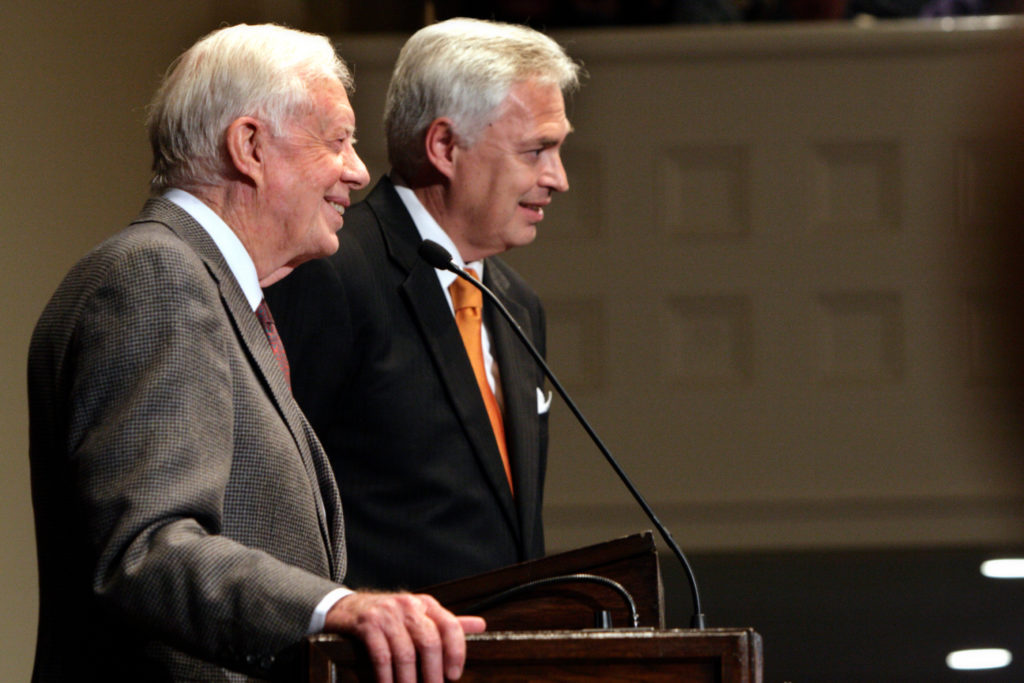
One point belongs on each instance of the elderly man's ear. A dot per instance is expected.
(246, 138)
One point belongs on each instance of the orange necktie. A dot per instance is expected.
(468, 303)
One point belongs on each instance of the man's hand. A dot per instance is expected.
(399, 628)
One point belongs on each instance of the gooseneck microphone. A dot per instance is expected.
(438, 257)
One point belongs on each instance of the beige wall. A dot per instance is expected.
(74, 165)
(771, 285)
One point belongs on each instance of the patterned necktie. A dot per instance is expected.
(276, 345)
(468, 303)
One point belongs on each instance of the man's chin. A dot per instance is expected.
(277, 275)
(525, 236)
(327, 246)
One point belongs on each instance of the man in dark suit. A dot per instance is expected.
(438, 435)
(188, 522)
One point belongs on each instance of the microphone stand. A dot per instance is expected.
(438, 257)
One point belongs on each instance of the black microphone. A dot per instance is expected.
(438, 257)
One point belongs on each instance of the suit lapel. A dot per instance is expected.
(254, 341)
(429, 308)
(516, 366)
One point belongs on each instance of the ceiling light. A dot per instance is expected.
(1005, 568)
(970, 660)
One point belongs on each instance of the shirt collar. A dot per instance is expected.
(231, 248)
(429, 229)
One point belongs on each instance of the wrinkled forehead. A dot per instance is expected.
(328, 108)
(533, 104)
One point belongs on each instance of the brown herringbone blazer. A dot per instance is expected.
(187, 518)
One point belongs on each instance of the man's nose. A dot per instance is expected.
(355, 173)
(555, 177)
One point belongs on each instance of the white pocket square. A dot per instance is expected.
(543, 402)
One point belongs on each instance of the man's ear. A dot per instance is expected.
(245, 138)
(440, 144)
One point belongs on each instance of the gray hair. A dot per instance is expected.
(265, 71)
(463, 69)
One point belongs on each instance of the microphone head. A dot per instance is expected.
(436, 255)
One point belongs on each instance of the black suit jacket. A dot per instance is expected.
(380, 369)
(187, 519)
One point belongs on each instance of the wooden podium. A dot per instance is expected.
(541, 618)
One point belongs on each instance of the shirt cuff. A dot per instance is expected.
(316, 623)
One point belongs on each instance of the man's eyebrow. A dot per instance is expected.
(548, 141)
(551, 141)
(341, 132)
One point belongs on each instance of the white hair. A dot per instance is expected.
(264, 71)
(463, 69)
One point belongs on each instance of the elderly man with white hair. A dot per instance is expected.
(188, 522)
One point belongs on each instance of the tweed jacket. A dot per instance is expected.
(381, 370)
(187, 518)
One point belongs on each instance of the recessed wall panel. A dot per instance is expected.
(708, 339)
(704, 190)
(857, 186)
